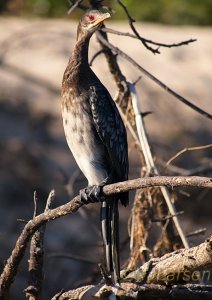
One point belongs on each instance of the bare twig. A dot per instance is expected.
(104, 274)
(167, 217)
(196, 232)
(173, 169)
(186, 150)
(95, 56)
(144, 41)
(35, 198)
(112, 31)
(131, 21)
(152, 77)
(74, 5)
(50, 200)
(22, 221)
(136, 81)
(34, 289)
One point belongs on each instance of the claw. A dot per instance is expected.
(92, 194)
(83, 196)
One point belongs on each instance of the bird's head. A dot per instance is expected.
(90, 22)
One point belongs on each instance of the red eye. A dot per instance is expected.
(91, 18)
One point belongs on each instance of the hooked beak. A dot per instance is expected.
(101, 19)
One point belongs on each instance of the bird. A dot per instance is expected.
(96, 135)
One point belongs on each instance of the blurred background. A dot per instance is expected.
(36, 39)
(178, 12)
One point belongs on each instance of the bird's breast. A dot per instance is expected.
(84, 142)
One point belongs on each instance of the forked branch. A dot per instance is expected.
(11, 266)
(183, 43)
(116, 50)
(144, 41)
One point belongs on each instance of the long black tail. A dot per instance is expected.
(110, 234)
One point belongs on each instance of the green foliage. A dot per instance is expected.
(48, 8)
(198, 12)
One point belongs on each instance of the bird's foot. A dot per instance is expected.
(92, 194)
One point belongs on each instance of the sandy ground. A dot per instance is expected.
(33, 149)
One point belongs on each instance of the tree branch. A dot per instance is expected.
(178, 266)
(131, 21)
(144, 41)
(186, 150)
(152, 169)
(75, 5)
(34, 289)
(139, 292)
(152, 77)
(132, 291)
(112, 31)
(158, 278)
(168, 181)
(11, 266)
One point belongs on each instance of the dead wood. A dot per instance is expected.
(11, 266)
(159, 277)
(132, 291)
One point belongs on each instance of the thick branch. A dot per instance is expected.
(168, 181)
(131, 291)
(157, 278)
(182, 265)
(11, 267)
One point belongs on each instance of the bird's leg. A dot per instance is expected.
(94, 193)
(89, 194)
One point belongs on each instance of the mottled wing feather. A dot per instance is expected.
(111, 129)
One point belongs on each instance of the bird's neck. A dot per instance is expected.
(78, 72)
(79, 58)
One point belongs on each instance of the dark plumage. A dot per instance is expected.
(95, 131)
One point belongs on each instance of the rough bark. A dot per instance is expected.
(11, 266)
(131, 291)
(158, 278)
(179, 266)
